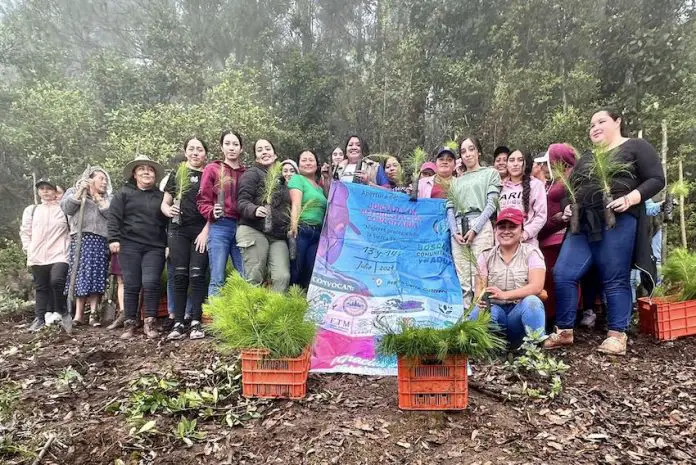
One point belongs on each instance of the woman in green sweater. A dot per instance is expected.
(308, 205)
(473, 197)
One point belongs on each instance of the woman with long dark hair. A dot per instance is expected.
(525, 193)
(187, 240)
(217, 203)
(474, 196)
(357, 168)
(264, 251)
(308, 206)
(611, 249)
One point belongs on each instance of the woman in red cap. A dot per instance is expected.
(512, 275)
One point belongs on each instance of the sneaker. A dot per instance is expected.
(129, 332)
(559, 338)
(614, 344)
(177, 332)
(36, 325)
(196, 331)
(149, 328)
(66, 322)
(589, 318)
(94, 319)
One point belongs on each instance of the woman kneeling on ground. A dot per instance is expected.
(137, 233)
(264, 250)
(512, 274)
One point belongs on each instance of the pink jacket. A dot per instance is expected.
(45, 234)
(425, 187)
(511, 197)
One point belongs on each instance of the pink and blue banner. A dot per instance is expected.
(380, 256)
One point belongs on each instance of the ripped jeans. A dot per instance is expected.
(189, 268)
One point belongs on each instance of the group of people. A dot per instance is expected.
(509, 228)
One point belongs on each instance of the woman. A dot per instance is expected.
(394, 172)
(337, 156)
(437, 186)
(500, 160)
(289, 169)
(187, 240)
(308, 206)
(217, 203)
(357, 168)
(611, 250)
(92, 270)
(44, 234)
(427, 169)
(525, 193)
(551, 235)
(264, 251)
(512, 275)
(137, 232)
(474, 196)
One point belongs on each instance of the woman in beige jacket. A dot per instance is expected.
(44, 234)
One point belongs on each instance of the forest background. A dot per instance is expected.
(94, 81)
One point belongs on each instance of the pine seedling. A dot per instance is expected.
(295, 224)
(223, 180)
(412, 164)
(270, 186)
(559, 173)
(604, 167)
(679, 274)
(183, 184)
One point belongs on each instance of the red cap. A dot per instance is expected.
(512, 215)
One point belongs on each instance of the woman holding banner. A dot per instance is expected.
(357, 168)
(473, 197)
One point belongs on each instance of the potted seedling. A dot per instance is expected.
(673, 314)
(183, 184)
(272, 332)
(270, 185)
(559, 171)
(432, 362)
(604, 167)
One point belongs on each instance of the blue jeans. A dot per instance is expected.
(303, 265)
(222, 243)
(517, 320)
(612, 255)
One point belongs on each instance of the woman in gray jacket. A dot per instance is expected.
(93, 264)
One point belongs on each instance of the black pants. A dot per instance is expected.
(50, 283)
(142, 267)
(190, 268)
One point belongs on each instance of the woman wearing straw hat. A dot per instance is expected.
(137, 233)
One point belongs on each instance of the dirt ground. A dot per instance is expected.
(639, 409)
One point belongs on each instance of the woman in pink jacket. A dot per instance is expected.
(45, 239)
(525, 193)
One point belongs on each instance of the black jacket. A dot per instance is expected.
(249, 195)
(135, 215)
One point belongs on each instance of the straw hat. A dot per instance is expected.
(143, 160)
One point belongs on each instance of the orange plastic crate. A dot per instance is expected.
(266, 377)
(433, 384)
(666, 319)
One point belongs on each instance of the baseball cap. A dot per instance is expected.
(445, 150)
(512, 215)
(542, 159)
(428, 165)
(47, 182)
